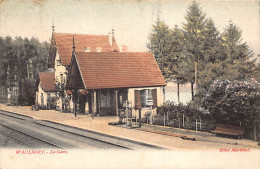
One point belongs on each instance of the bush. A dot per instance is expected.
(235, 103)
(191, 113)
(177, 111)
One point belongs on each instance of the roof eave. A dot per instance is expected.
(80, 71)
(126, 87)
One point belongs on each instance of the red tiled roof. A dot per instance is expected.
(47, 80)
(64, 44)
(118, 70)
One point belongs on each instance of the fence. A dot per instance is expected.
(191, 124)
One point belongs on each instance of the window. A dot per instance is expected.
(99, 49)
(48, 98)
(143, 98)
(145, 95)
(87, 49)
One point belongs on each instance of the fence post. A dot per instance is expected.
(151, 115)
(200, 123)
(183, 120)
(179, 122)
(140, 119)
(167, 118)
(163, 119)
(135, 118)
(126, 113)
(196, 125)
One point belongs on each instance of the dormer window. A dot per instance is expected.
(87, 49)
(99, 49)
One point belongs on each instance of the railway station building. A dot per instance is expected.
(92, 75)
(113, 80)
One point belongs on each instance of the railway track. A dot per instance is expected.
(6, 138)
(83, 138)
(15, 115)
(87, 137)
(26, 138)
(45, 142)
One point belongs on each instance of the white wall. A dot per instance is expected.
(39, 93)
(59, 69)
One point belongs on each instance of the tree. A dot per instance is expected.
(175, 57)
(21, 60)
(257, 72)
(237, 54)
(231, 62)
(211, 43)
(159, 45)
(167, 47)
(194, 34)
(234, 103)
(232, 41)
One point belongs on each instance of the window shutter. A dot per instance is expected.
(154, 95)
(137, 99)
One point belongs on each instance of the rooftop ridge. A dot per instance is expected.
(120, 53)
(79, 34)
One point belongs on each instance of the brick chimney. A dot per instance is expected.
(111, 36)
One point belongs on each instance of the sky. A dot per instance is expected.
(131, 20)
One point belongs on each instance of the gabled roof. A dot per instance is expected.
(118, 70)
(64, 44)
(47, 80)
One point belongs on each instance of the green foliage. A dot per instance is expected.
(176, 56)
(202, 41)
(231, 62)
(210, 44)
(177, 111)
(160, 44)
(218, 55)
(234, 102)
(190, 113)
(256, 73)
(21, 60)
(194, 31)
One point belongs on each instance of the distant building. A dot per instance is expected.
(46, 90)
